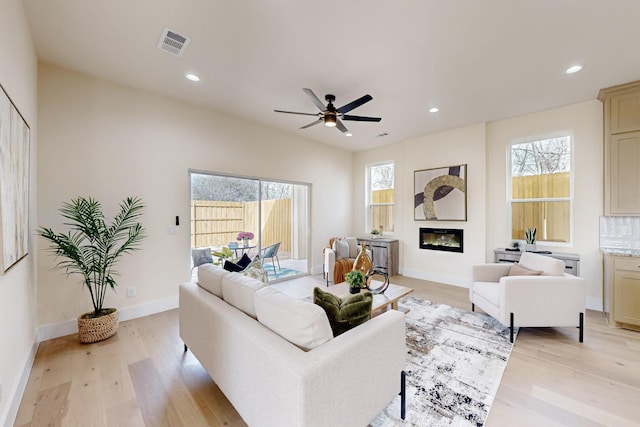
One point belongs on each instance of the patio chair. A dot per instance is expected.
(272, 252)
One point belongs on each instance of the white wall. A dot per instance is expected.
(17, 287)
(459, 146)
(108, 141)
(484, 149)
(585, 121)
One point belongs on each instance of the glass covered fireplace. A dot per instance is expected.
(441, 239)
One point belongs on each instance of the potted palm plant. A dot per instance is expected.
(91, 248)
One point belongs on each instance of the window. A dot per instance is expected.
(380, 197)
(540, 188)
(275, 213)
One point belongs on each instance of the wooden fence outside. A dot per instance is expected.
(550, 218)
(215, 223)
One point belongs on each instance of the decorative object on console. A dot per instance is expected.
(91, 249)
(441, 194)
(377, 271)
(14, 184)
(530, 236)
(363, 261)
(375, 233)
(355, 279)
(344, 313)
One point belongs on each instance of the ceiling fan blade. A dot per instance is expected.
(361, 118)
(341, 126)
(313, 123)
(295, 112)
(355, 104)
(314, 99)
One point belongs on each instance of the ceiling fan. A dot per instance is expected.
(332, 116)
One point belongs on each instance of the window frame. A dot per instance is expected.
(570, 198)
(369, 205)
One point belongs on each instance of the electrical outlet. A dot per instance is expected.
(131, 292)
(172, 229)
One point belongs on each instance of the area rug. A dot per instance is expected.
(280, 272)
(455, 362)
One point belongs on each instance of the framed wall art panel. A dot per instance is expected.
(440, 194)
(14, 184)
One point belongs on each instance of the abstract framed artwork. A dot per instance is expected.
(440, 194)
(14, 184)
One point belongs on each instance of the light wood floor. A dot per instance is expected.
(142, 377)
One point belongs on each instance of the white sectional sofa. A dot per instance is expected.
(242, 333)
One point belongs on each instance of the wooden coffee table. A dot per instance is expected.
(381, 302)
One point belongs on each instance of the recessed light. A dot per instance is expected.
(348, 134)
(193, 77)
(434, 110)
(573, 69)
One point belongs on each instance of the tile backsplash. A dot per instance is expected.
(620, 233)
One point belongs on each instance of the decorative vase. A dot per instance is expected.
(363, 262)
(245, 242)
(531, 247)
(94, 329)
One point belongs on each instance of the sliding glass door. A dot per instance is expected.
(274, 215)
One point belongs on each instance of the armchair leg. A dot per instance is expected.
(186, 348)
(581, 335)
(511, 327)
(473, 307)
(403, 395)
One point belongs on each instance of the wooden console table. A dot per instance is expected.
(571, 261)
(384, 253)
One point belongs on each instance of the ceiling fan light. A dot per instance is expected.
(330, 120)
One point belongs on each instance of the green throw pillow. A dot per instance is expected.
(344, 313)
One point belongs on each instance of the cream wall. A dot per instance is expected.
(18, 74)
(585, 121)
(459, 146)
(108, 141)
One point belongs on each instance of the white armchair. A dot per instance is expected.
(541, 295)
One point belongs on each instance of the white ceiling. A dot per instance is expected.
(477, 60)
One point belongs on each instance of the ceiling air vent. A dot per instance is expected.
(172, 42)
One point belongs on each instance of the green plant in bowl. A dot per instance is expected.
(355, 280)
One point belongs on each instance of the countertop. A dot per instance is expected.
(621, 252)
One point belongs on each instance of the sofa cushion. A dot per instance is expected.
(341, 248)
(344, 313)
(239, 290)
(549, 266)
(255, 270)
(210, 278)
(232, 266)
(354, 249)
(303, 324)
(518, 270)
(244, 261)
(201, 256)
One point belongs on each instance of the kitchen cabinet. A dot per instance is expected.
(384, 253)
(622, 291)
(621, 149)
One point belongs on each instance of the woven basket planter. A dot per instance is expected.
(99, 328)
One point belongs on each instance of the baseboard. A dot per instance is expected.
(15, 396)
(69, 327)
(439, 278)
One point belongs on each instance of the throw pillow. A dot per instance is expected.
(255, 270)
(302, 323)
(244, 261)
(341, 248)
(201, 256)
(518, 270)
(232, 266)
(344, 313)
